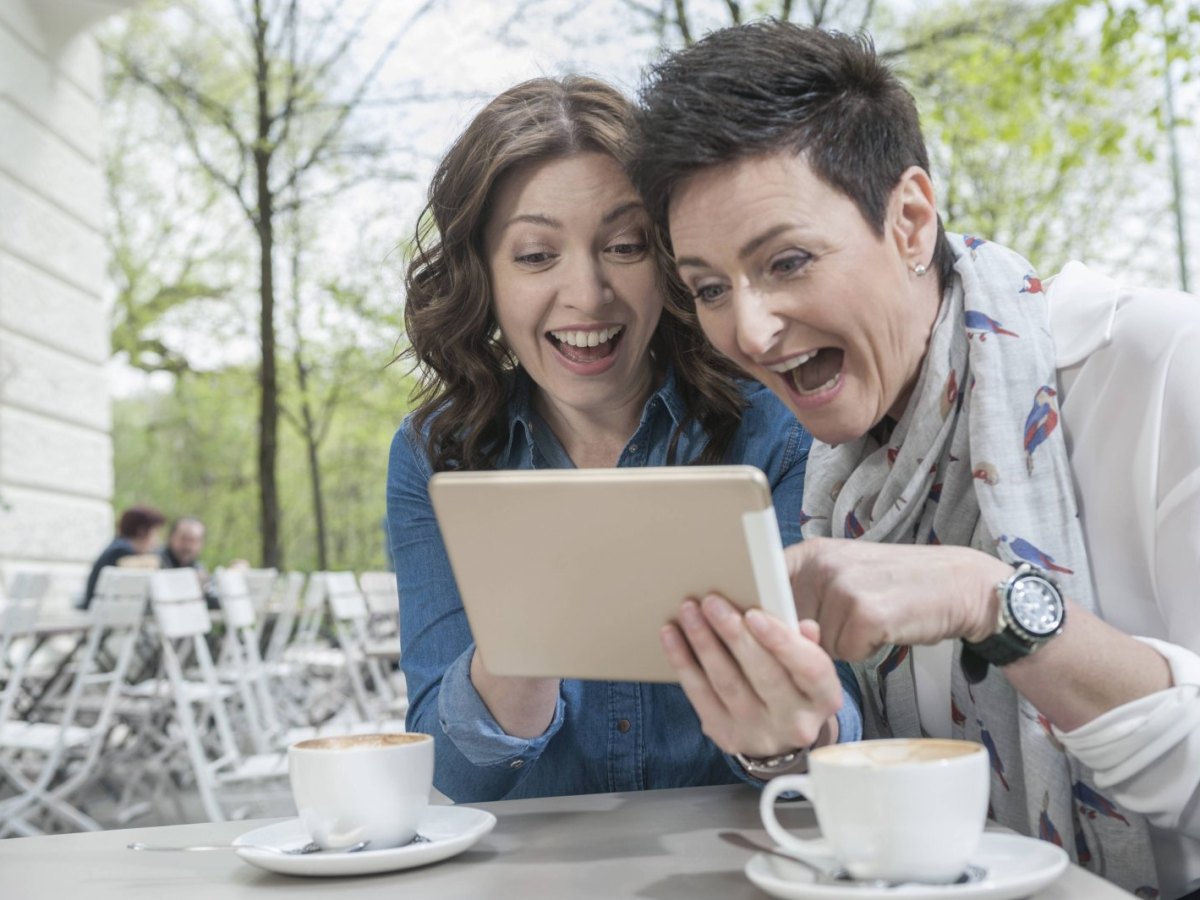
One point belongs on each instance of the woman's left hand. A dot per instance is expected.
(866, 595)
(760, 687)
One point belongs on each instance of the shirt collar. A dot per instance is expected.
(521, 413)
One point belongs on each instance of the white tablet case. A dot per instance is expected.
(572, 572)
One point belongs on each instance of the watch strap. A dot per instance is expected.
(998, 650)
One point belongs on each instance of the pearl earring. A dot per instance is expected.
(920, 269)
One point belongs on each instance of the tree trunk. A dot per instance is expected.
(268, 420)
(314, 470)
(307, 424)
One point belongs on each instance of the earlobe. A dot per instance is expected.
(914, 216)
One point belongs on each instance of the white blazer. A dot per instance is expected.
(1129, 379)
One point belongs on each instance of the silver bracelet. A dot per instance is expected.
(765, 768)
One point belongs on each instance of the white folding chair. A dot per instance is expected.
(285, 618)
(312, 612)
(350, 614)
(50, 761)
(18, 624)
(246, 668)
(260, 583)
(28, 586)
(308, 647)
(383, 600)
(218, 763)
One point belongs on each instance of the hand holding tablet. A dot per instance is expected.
(572, 573)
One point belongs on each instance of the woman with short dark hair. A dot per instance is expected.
(1009, 469)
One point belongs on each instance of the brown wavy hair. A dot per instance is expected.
(466, 373)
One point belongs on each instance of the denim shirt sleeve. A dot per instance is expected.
(475, 758)
(783, 459)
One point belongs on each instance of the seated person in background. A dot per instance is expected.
(137, 533)
(185, 543)
(535, 308)
(988, 449)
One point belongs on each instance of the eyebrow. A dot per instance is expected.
(543, 219)
(747, 248)
(619, 211)
(534, 219)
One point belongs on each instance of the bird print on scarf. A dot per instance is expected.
(1093, 803)
(853, 528)
(985, 737)
(1046, 829)
(1041, 422)
(980, 325)
(949, 393)
(987, 473)
(1024, 550)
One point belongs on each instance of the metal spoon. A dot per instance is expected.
(310, 847)
(838, 875)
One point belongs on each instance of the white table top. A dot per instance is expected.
(663, 845)
(63, 622)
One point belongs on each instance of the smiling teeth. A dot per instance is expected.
(794, 362)
(587, 338)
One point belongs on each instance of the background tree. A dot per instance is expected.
(190, 450)
(1036, 111)
(1046, 119)
(263, 93)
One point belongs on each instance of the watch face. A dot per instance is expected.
(1036, 606)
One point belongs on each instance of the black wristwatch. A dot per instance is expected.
(1032, 612)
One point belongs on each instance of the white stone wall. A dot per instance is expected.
(55, 449)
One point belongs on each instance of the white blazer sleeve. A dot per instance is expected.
(1148, 752)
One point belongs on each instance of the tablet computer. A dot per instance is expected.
(570, 573)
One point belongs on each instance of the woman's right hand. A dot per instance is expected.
(523, 707)
(760, 687)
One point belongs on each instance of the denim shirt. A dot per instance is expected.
(604, 736)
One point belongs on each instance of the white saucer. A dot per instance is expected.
(1016, 867)
(449, 830)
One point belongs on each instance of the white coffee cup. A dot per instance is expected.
(363, 787)
(898, 810)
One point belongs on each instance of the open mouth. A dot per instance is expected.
(584, 347)
(814, 372)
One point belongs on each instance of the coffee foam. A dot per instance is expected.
(898, 752)
(361, 741)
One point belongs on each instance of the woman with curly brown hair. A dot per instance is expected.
(535, 311)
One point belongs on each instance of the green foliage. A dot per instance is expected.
(191, 450)
(1032, 117)
(1043, 116)
(242, 148)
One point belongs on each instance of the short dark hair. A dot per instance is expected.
(138, 520)
(772, 86)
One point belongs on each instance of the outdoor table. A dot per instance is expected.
(664, 845)
(55, 625)
(62, 622)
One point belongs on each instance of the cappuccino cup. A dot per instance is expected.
(897, 810)
(361, 787)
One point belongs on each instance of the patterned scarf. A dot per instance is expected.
(978, 460)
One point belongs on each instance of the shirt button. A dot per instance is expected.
(516, 764)
(633, 448)
(623, 726)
